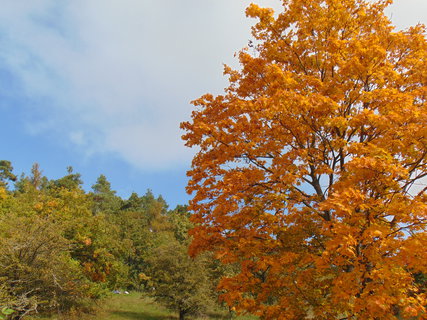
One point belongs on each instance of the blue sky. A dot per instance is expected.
(102, 85)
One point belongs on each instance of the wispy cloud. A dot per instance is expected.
(117, 76)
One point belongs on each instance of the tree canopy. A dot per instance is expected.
(311, 167)
(61, 247)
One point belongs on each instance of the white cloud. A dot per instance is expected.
(117, 76)
(78, 138)
(141, 146)
(406, 13)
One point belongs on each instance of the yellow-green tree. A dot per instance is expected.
(6, 173)
(310, 167)
(178, 281)
(37, 272)
(54, 253)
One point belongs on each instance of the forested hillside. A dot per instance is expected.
(307, 186)
(62, 247)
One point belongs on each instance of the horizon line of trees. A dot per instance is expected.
(61, 247)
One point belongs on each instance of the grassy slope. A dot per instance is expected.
(132, 307)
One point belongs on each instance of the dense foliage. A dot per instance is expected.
(311, 167)
(61, 247)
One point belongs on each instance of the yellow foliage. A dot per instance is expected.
(3, 194)
(310, 164)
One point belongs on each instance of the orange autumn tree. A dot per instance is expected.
(310, 168)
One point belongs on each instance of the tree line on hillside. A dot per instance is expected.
(309, 184)
(61, 248)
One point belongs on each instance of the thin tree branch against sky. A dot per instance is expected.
(103, 85)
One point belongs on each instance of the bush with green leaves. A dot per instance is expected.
(5, 312)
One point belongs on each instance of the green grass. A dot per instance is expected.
(132, 307)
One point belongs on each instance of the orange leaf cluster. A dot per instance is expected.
(310, 168)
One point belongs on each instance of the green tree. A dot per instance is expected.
(35, 181)
(70, 181)
(134, 203)
(179, 282)
(6, 173)
(144, 226)
(179, 218)
(104, 198)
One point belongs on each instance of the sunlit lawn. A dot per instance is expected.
(133, 307)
